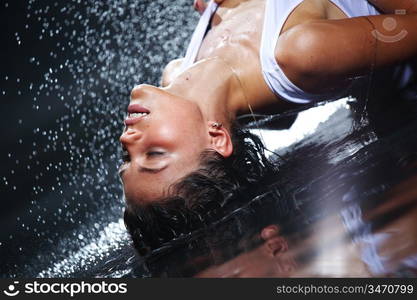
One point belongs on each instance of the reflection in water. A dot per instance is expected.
(343, 204)
(353, 213)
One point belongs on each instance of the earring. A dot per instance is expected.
(216, 125)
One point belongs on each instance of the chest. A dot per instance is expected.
(237, 25)
(236, 30)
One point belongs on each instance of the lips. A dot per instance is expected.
(136, 112)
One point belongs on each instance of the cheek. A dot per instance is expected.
(164, 135)
(178, 134)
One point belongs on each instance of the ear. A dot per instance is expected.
(269, 232)
(220, 140)
(274, 243)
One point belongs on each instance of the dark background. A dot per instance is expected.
(66, 70)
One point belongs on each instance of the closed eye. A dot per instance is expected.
(155, 153)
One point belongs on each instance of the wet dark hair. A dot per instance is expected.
(219, 186)
(231, 234)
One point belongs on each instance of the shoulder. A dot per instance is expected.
(302, 53)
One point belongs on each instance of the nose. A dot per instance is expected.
(130, 136)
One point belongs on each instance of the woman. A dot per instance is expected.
(256, 56)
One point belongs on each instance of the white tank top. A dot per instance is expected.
(198, 36)
(276, 13)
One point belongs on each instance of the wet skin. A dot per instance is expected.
(219, 86)
(189, 103)
(157, 147)
(164, 144)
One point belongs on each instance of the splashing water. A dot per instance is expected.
(65, 80)
(65, 83)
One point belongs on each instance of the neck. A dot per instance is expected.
(214, 86)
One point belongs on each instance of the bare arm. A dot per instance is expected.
(391, 6)
(319, 56)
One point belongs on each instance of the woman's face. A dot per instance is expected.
(162, 142)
